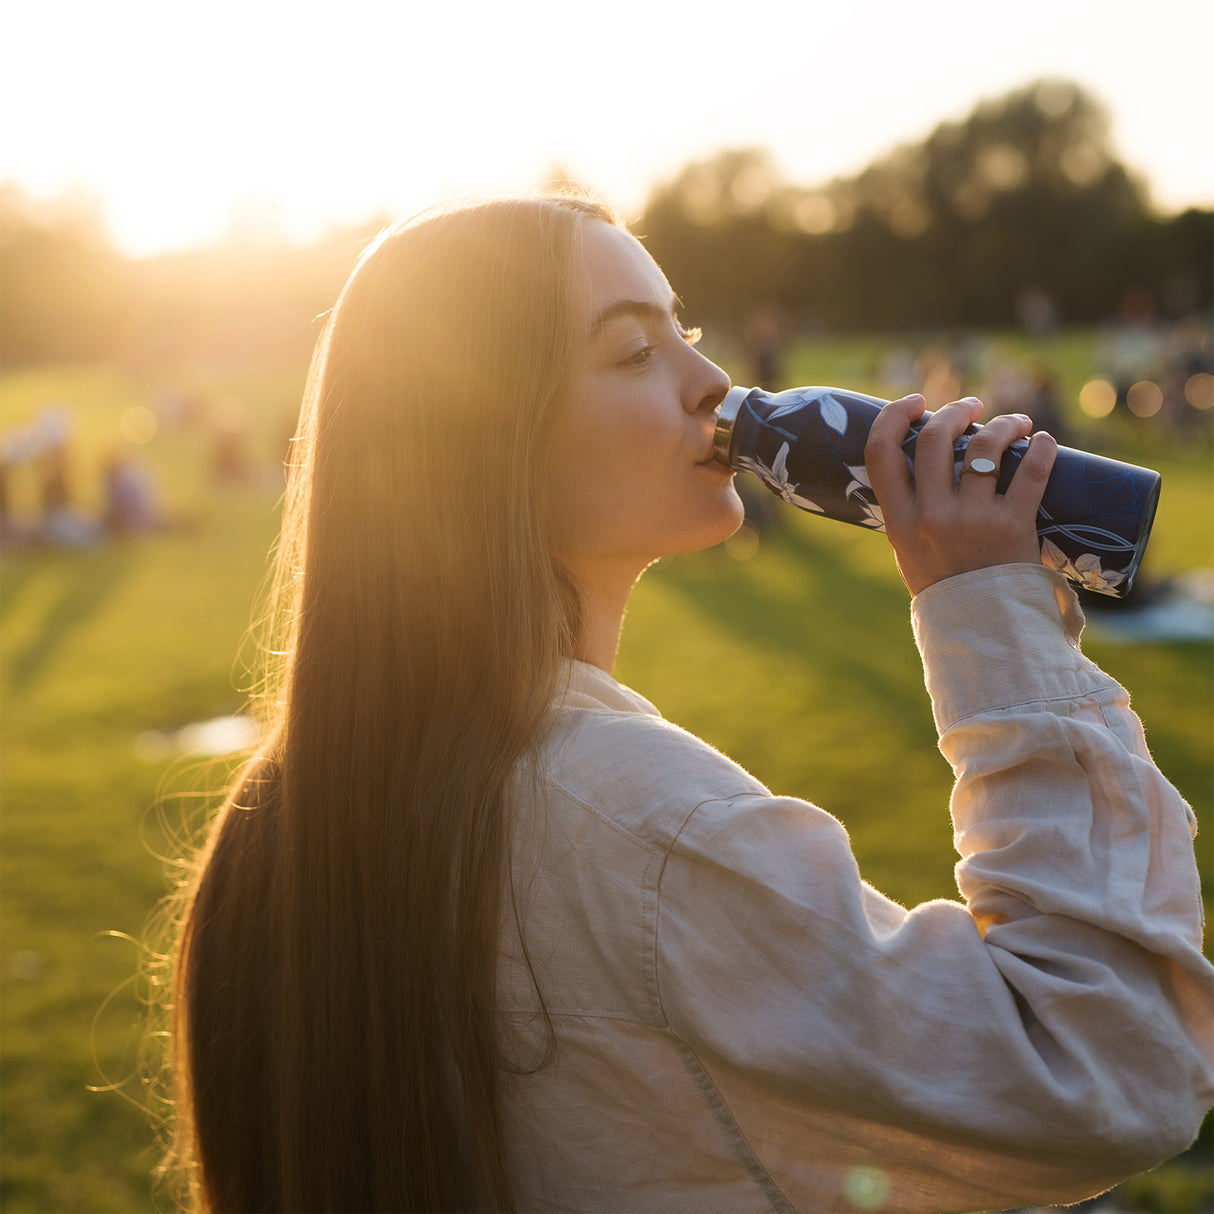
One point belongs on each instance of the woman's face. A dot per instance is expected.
(635, 479)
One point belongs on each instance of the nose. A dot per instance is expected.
(707, 384)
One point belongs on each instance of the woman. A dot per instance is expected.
(479, 930)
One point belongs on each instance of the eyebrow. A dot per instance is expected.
(643, 309)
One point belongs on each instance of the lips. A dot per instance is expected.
(713, 464)
(708, 457)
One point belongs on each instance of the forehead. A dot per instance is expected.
(617, 268)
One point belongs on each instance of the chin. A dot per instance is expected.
(735, 510)
(728, 516)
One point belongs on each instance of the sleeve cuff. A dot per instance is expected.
(1001, 637)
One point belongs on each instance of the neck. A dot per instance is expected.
(604, 598)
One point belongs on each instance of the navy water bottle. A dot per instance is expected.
(807, 446)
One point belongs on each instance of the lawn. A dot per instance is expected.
(103, 646)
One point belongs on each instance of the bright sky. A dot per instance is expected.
(176, 112)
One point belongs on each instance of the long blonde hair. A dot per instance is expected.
(335, 1024)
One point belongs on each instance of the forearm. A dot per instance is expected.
(1076, 852)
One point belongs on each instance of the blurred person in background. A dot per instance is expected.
(130, 506)
(478, 929)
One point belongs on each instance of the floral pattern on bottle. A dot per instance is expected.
(807, 446)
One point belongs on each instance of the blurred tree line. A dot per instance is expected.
(1021, 213)
(1022, 208)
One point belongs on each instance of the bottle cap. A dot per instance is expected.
(726, 416)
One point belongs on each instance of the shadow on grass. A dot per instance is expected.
(80, 582)
(851, 626)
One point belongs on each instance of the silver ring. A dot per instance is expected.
(983, 467)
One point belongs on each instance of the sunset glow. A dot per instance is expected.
(284, 120)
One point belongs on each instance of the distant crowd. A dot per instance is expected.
(43, 502)
(44, 449)
(1159, 373)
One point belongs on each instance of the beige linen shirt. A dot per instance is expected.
(740, 1022)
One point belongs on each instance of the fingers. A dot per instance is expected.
(1025, 492)
(984, 455)
(886, 463)
(983, 459)
(934, 447)
(941, 523)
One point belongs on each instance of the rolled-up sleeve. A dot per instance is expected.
(1038, 1043)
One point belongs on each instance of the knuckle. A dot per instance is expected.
(1037, 465)
(932, 438)
(1037, 471)
(990, 439)
(877, 432)
(987, 447)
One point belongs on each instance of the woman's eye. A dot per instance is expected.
(640, 358)
(643, 356)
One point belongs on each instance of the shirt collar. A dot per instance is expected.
(589, 687)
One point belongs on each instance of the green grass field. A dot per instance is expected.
(101, 646)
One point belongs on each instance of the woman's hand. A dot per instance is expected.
(939, 528)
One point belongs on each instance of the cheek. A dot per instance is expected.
(589, 476)
(615, 446)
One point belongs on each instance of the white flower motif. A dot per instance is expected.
(805, 504)
(794, 402)
(833, 414)
(859, 480)
(779, 473)
(873, 516)
(1085, 570)
(830, 409)
(777, 477)
(860, 492)
(1053, 556)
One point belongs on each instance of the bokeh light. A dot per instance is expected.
(866, 1187)
(1199, 390)
(1097, 398)
(138, 425)
(1145, 398)
(743, 544)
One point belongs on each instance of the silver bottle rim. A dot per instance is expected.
(726, 416)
